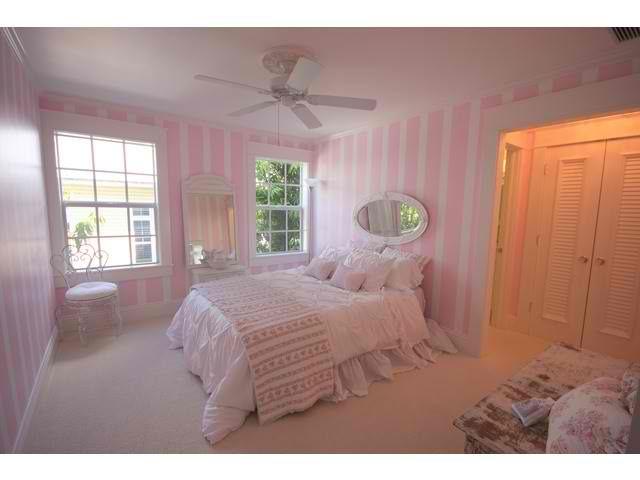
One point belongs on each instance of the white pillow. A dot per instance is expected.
(348, 278)
(421, 260)
(404, 275)
(336, 254)
(372, 245)
(320, 268)
(376, 268)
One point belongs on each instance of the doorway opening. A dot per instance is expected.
(567, 251)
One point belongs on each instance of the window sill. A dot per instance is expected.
(124, 274)
(279, 259)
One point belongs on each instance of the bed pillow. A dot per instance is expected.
(590, 419)
(421, 260)
(373, 264)
(629, 386)
(404, 275)
(372, 245)
(320, 268)
(337, 254)
(348, 278)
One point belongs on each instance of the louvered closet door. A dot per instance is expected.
(569, 206)
(612, 322)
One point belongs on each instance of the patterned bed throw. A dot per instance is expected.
(287, 344)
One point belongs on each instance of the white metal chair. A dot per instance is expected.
(86, 264)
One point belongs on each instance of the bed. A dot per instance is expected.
(368, 337)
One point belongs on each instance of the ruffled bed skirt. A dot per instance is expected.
(353, 376)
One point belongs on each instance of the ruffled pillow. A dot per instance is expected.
(320, 268)
(337, 254)
(405, 275)
(367, 245)
(376, 267)
(629, 386)
(590, 419)
(348, 278)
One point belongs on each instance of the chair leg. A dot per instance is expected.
(82, 328)
(116, 308)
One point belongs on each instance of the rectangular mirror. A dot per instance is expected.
(209, 215)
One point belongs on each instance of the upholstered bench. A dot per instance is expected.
(491, 427)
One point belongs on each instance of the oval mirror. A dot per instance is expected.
(391, 217)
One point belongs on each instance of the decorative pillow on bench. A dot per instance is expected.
(629, 386)
(590, 419)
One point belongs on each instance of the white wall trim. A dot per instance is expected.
(51, 121)
(38, 383)
(588, 101)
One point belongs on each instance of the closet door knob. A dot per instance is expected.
(600, 261)
(583, 259)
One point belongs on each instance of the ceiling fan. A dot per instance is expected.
(295, 68)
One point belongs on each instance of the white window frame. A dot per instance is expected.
(284, 154)
(97, 126)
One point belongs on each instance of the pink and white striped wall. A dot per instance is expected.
(26, 287)
(193, 147)
(433, 157)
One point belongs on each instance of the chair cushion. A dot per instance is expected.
(91, 291)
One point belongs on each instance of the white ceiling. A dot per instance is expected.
(405, 69)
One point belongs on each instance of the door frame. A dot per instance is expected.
(621, 95)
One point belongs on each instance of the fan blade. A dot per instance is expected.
(306, 116)
(252, 108)
(229, 83)
(303, 74)
(344, 102)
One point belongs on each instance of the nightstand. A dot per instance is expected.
(208, 274)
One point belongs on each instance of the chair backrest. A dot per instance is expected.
(79, 264)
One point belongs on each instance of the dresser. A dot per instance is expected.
(208, 274)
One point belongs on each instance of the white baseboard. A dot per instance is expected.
(47, 358)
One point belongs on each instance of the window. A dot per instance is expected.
(108, 192)
(279, 211)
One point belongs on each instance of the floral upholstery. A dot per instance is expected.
(590, 419)
(629, 386)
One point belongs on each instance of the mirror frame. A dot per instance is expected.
(207, 185)
(401, 197)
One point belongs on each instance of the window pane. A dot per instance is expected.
(262, 220)
(293, 196)
(108, 155)
(144, 250)
(262, 194)
(278, 242)
(293, 173)
(81, 222)
(77, 185)
(113, 221)
(277, 195)
(82, 260)
(293, 220)
(110, 187)
(263, 243)
(143, 224)
(74, 152)
(262, 170)
(276, 172)
(118, 250)
(141, 188)
(139, 158)
(293, 241)
(278, 220)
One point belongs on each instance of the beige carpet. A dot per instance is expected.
(133, 394)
